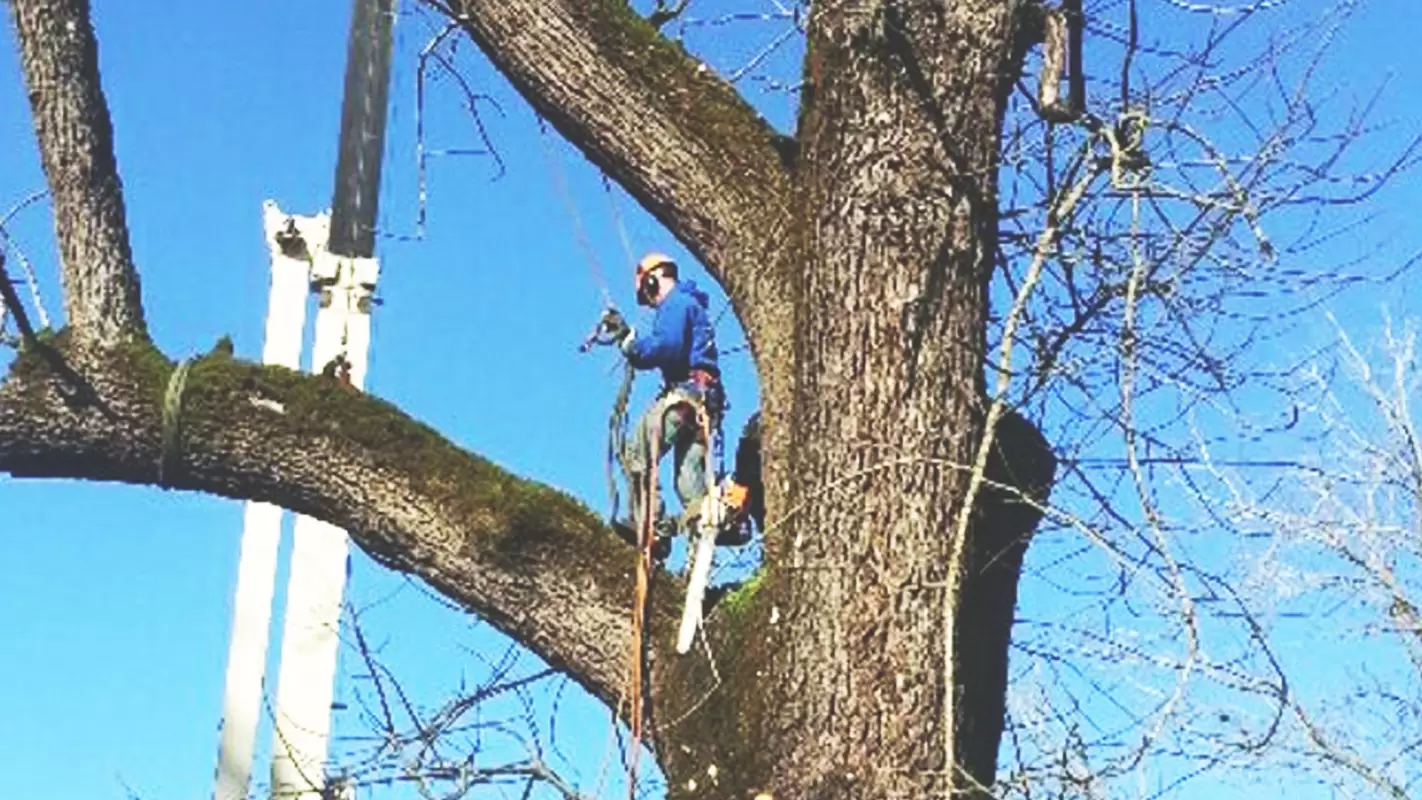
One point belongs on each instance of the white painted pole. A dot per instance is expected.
(320, 556)
(290, 240)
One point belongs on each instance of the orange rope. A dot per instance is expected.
(647, 536)
(639, 610)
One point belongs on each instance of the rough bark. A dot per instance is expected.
(900, 138)
(724, 714)
(60, 58)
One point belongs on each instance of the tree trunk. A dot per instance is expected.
(900, 138)
(873, 425)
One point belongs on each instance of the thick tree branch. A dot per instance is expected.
(532, 561)
(61, 63)
(664, 125)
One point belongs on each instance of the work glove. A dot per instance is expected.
(615, 329)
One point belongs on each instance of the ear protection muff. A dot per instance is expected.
(648, 279)
(648, 287)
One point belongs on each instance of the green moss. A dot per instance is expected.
(469, 485)
(147, 364)
(41, 356)
(29, 354)
(223, 347)
(738, 602)
(725, 727)
(689, 88)
(222, 388)
(522, 526)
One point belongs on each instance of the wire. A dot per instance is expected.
(617, 218)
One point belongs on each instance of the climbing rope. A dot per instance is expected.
(173, 422)
(645, 540)
(616, 447)
(560, 180)
(640, 668)
(617, 438)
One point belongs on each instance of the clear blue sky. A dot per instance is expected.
(114, 600)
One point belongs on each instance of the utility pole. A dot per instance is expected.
(333, 258)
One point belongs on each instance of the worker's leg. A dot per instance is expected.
(634, 450)
(691, 473)
(685, 436)
(637, 457)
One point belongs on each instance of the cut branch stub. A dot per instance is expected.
(1061, 44)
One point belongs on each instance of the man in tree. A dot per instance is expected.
(682, 344)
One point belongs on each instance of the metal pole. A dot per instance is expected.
(320, 555)
(362, 139)
(291, 241)
(344, 274)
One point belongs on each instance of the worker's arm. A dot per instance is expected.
(664, 343)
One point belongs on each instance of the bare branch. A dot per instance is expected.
(10, 301)
(7, 242)
(458, 747)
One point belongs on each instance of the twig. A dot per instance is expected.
(30, 277)
(665, 13)
(12, 302)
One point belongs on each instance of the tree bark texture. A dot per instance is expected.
(898, 210)
(60, 58)
(857, 257)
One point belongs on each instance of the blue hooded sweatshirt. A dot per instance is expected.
(681, 338)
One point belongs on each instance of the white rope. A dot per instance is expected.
(561, 182)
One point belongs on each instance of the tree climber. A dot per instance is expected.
(682, 344)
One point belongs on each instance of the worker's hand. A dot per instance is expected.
(613, 327)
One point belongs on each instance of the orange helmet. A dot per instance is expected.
(646, 280)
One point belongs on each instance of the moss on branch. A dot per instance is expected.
(689, 88)
(512, 550)
(223, 391)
